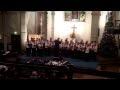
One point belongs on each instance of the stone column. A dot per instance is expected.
(44, 24)
(1, 28)
(4, 31)
(52, 32)
(95, 25)
(23, 30)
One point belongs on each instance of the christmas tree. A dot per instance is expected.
(108, 46)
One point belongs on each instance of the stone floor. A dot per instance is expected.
(112, 66)
(85, 76)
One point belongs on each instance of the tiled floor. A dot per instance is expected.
(85, 76)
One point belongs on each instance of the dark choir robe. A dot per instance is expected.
(34, 49)
(43, 48)
(87, 53)
(93, 51)
(57, 47)
(46, 48)
(39, 51)
(61, 49)
(79, 50)
(51, 48)
(29, 49)
(75, 51)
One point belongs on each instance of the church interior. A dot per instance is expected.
(59, 45)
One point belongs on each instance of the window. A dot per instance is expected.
(68, 15)
(75, 15)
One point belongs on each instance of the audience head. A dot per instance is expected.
(34, 73)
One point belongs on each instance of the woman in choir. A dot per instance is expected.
(43, 46)
(30, 47)
(70, 47)
(81, 42)
(61, 48)
(87, 51)
(95, 47)
(75, 50)
(51, 46)
(46, 47)
(57, 47)
(65, 47)
(39, 49)
(86, 43)
(83, 50)
(91, 52)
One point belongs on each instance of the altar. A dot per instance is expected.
(34, 37)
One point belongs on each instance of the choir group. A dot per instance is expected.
(66, 48)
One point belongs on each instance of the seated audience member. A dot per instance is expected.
(34, 75)
(3, 70)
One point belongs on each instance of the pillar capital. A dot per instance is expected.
(96, 13)
(53, 13)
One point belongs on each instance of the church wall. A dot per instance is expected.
(49, 25)
(63, 29)
(31, 22)
(1, 31)
(10, 24)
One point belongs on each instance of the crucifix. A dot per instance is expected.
(73, 34)
(74, 28)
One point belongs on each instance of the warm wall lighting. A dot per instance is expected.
(63, 29)
(15, 33)
(0, 36)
